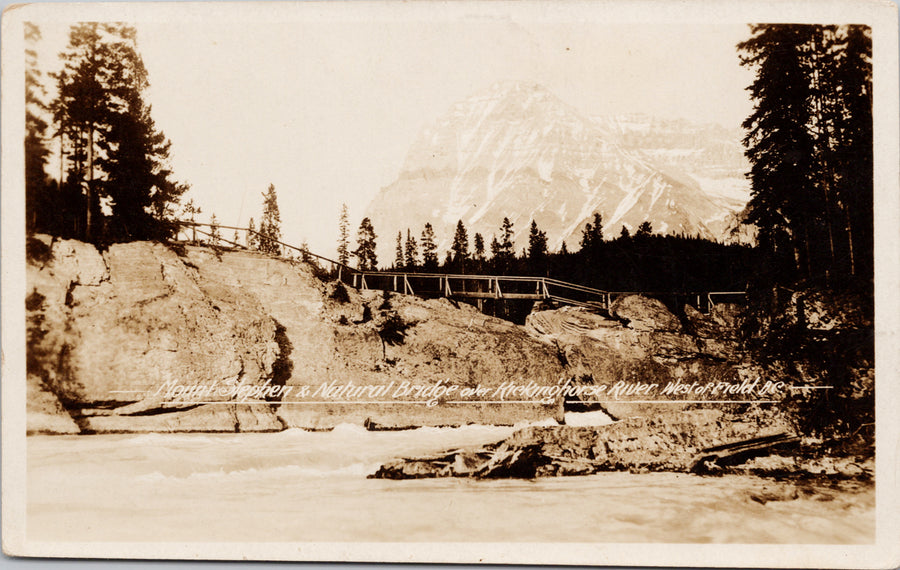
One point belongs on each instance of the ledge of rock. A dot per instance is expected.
(672, 441)
(108, 331)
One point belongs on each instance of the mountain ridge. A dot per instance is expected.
(517, 150)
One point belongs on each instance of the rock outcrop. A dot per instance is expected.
(671, 441)
(641, 341)
(110, 331)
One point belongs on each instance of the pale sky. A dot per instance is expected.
(326, 110)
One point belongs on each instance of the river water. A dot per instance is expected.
(311, 486)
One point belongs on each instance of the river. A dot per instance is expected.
(311, 486)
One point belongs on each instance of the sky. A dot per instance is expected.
(327, 108)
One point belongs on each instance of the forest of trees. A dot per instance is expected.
(113, 182)
(810, 146)
(809, 142)
(643, 262)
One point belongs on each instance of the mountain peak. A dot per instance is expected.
(516, 150)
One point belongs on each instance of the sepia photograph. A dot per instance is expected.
(447, 282)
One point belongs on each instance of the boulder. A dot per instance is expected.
(567, 320)
(77, 262)
(728, 316)
(825, 311)
(644, 314)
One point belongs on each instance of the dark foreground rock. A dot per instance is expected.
(673, 441)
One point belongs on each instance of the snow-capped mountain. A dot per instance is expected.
(516, 150)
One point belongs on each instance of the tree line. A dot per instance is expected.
(112, 182)
(810, 146)
(809, 142)
(641, 262)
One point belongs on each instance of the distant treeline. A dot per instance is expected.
(645, 261)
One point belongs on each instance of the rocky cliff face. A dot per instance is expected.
(642, 341)
(108, 332)
(516, 150)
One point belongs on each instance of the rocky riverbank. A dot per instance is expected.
(702, 441)
(113, 334)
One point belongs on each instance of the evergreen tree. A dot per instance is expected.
(495, 247)
(304, 252)
(781, 148)
(479, 247)
(592, 235)
(270, 225)
(399, 260)
(252, 239)
(429, 249)
(411, 251)
(37, 199)
(191, 210)
(537, 243)
(214, 230)
(624, 234)
(503, 251)
(115, 154)
(563, 250)
(460, 246)
(645, 229)
(853, 160)
(343, 249)
(366, 260)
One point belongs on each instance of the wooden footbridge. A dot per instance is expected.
(481, 287)
(477, 288)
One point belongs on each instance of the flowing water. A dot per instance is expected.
(311, 486)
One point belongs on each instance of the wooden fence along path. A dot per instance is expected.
(464, 286)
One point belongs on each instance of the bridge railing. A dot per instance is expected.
(505, 287)
(340, 270)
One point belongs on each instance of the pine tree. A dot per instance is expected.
(429, 249)
(343, 249)
(37, 198)
(780, 148)
(495, 247)
(506, 231)
(854, 150)
(366, 260)
(411, 252)
(645, 229)
(624, 234)
(115, 154)
(503, 251)
(214, 230)
(479, 247)
(270, 225)
(592, 235)
(399, 260)
(252, 239)
(563, 250)
(537, 243)
(191, 210)
(460, 246)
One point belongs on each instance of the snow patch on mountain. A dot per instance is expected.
(516, 150)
